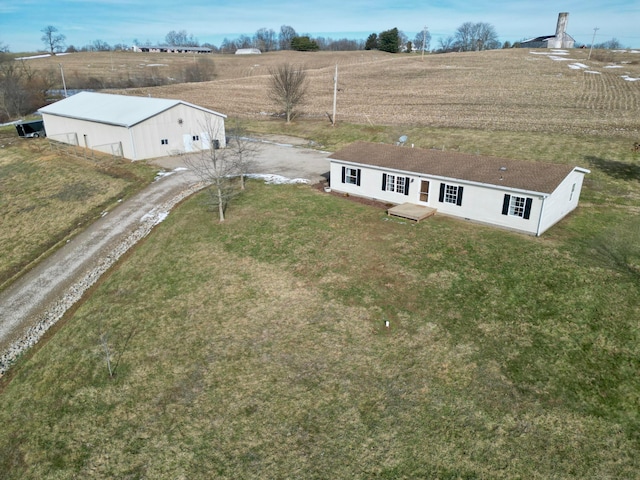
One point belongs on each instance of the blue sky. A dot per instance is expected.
(122, 21)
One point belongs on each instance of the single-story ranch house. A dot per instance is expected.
(135, 127)
(527, 197)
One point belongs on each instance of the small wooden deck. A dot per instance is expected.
(411, 211)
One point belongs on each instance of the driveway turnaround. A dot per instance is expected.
(31, 305)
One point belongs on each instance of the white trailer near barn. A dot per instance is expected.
(528, 197)
(136, 128)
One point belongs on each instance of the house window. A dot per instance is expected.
(394, 183)
(517, 206)
(450, 194)
(164, 141)
(351, 175)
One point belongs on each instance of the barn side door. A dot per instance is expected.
(187, 139)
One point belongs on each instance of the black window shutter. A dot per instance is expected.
(406, 185)
(358, 177)
(384, 181)
(459, 202)
(344, 174)
(505, 204)
(527, 208)
(441, 198)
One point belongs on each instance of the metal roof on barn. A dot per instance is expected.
(514, 174)
(120, 110)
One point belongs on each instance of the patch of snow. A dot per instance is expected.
(44, 55)
(613, 66)
(629, 79)
(161, 217)
(560, 59)
(157, 65)
(577, 66)
(154, 217)
(162, 174)
(272, 179)
(591, 71)
(560, 52)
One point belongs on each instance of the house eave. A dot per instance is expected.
(495, 186)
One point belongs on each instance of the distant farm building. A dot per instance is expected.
(135, 128)
(171, 49)
(248, 51)
(560, 40)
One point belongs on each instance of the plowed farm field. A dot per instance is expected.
(514, 89)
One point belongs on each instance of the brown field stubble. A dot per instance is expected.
(515, 89)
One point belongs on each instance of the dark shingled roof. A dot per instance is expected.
(531, 176)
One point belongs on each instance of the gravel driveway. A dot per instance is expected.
(40, 298)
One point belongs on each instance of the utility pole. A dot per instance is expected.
(424, 40)
(335, 96)
(64, 85)
(592, 40)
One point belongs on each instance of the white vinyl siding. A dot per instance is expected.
(395, 183)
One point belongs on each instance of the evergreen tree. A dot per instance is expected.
(372, 42)
(389, 41)
(304, 44)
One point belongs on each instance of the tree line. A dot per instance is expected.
(468, 37)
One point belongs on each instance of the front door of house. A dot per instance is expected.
(424, 191)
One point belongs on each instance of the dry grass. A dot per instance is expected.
(259, 348)
(260, 352)
(46, 196)
(511, 90)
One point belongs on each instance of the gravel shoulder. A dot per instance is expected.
(41, 297)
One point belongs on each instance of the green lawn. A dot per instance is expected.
(257, 348)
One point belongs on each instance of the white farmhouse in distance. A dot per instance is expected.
(248, 51)
(136, 128)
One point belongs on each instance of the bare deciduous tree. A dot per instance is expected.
(476, 36)
(22, 89)
(106, 348)
(422, 40)
(265, 39)
(201, 70)
(181, 39)
(287, 33)
(54, 42)
(288, 88)
(222, 169)
(243, 150)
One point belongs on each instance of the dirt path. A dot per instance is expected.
(40, 297)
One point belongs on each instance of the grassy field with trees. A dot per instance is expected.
(257, 347)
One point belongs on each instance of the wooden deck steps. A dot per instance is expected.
(411, 211)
